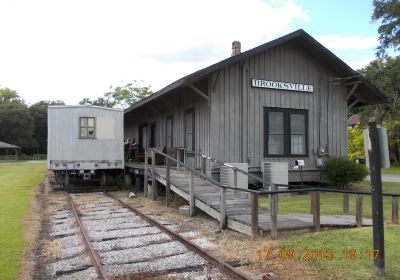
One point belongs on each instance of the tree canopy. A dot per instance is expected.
(9, 96)
(121, 96)
(38, 112)
(22, 125)
(97, 102)
(384, 73)
(388, 11)
(15, 121)
(386, 76)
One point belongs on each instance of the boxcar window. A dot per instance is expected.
(87, 127)
(285, 132)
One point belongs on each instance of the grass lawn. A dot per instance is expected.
(332, 203)
(16, 189)
(394, 169)
(337, 266)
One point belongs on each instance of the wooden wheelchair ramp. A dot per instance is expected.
(238, 204)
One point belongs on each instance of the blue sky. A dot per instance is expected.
(344, 16)
(71, 49)
(341, 17)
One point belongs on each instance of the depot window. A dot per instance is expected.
(87, 127)
(169, 131)
(285, 132)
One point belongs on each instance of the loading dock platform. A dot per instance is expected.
(238, 204)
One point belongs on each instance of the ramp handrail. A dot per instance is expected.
(320, 189)
(315, 196)
(234, 168)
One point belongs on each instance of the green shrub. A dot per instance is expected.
(356, 143)
(24, 157)
(341, 172)
(32, 157)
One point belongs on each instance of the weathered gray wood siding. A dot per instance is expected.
(175, 105)
(64, 143)
(237, 124)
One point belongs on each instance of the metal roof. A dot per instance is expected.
(84, 106)
(353, 120)
(369, 92)
(4, 145)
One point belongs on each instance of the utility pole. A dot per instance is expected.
(377, 208)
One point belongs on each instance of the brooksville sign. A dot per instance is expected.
(281, 85)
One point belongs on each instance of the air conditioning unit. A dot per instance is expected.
(275, 172)
(226, 175)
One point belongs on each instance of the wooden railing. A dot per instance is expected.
(204, 159)
(255, 194)
(8, 157)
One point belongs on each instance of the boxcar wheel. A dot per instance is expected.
(58, 177)
(103, 179)
(66, 180)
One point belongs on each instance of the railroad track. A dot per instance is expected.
(124, 243)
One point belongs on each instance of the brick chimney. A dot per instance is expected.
(235, 48)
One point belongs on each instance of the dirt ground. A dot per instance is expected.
(33, 224)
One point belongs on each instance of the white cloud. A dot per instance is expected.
(341, 42)
(358, 64)
(73, 49)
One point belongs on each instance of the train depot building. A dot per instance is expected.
(283, 101)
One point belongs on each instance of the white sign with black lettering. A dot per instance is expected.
(281, 85)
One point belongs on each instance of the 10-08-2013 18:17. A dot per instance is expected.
(315, 254)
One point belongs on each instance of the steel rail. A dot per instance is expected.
(221, 265)
(92, 253)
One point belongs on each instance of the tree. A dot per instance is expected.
(389, 31)
(356, 143)
(393, 131)
(15, 120)
(9, 96)
(121, 96)
(23, 126)
(38, 112)
(386, 76)
(98, 102)
(16, 126)
(124, 96)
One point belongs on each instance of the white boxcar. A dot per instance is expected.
(84, 141)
